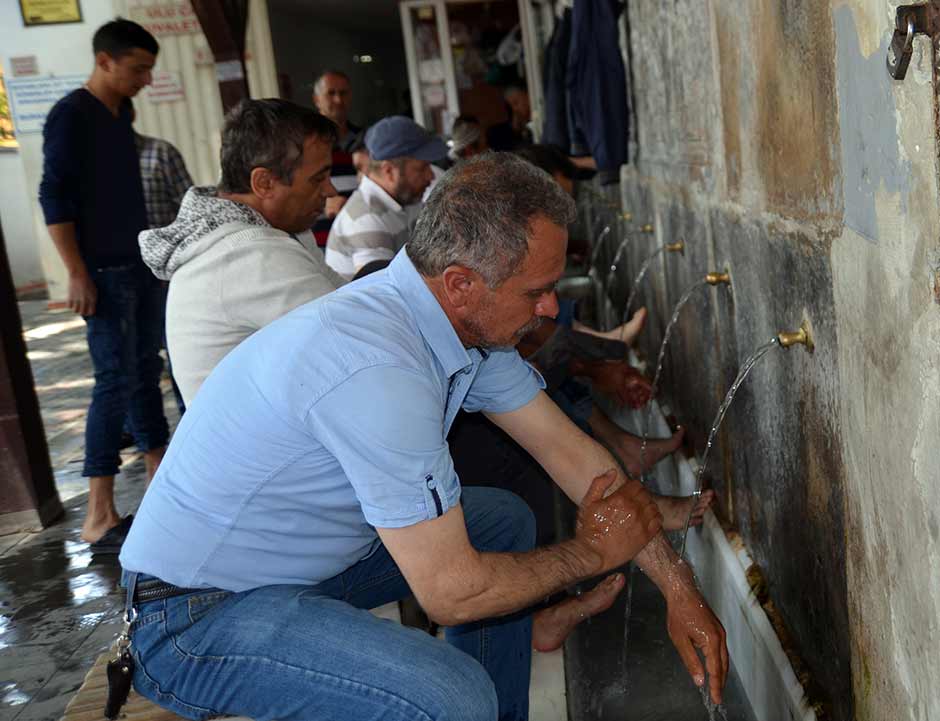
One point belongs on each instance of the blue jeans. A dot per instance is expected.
(315, 652)
(124, 340)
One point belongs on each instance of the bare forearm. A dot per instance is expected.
(662, 565)
(508, 582)
(66, 243)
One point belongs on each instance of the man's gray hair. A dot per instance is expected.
(318, 81)
(480, 213)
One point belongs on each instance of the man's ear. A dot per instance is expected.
(389, 171)
(103, 60)
(262, 182)
(462, 285)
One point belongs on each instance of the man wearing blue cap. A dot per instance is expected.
(373, 225)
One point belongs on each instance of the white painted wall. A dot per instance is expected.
(192, 124)
(19, 233)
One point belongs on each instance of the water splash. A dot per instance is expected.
(716, 712)
(719, 417)
(659, 364)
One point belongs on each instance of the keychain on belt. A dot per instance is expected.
(121, 667)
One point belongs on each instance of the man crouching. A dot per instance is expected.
(311, 480)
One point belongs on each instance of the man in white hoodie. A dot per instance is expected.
(241, 254)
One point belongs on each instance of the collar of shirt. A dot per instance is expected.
(432, 321)
(373, 191)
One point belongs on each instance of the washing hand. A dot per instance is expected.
(619, 526)
(692, 625)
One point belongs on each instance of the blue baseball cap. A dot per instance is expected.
(399, 137)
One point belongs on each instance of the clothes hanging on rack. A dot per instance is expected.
(596, 86)
(555, 127)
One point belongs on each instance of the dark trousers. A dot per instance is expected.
(124, 339)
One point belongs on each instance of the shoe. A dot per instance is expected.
(112, 540)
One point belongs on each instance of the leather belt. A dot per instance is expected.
(153, 589)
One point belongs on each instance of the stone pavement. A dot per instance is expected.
(59, 607)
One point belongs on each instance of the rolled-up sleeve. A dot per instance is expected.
(503, 384)
(58, 190)
(384, 427)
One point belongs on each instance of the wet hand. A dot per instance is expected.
(619, 526)
(83, 294)
(692, 625)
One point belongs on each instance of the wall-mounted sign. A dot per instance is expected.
(31, 99)
(23, 66)
(166, 87)
(50, 12)
(167, 18)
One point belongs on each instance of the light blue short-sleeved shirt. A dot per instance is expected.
(327, 423)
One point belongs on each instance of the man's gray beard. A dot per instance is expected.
(404, 196)
(481, 340)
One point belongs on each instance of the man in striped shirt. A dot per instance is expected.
(373, 224)
(332, 95)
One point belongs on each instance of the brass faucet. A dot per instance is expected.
(677, 247)
(627, 216)
(648, 228)
(803, 335)
(716, 278)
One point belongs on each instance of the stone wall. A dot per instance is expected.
(771, 139)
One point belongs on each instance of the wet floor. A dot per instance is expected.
(59, 609)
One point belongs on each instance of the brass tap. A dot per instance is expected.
(803, 335)
(716, 278)
(648, 228)
(677, 247)
(627, 216)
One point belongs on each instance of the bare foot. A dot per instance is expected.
(101, 514)
(94, 528)
(628, 447)
(152, 460)
(628, 332)
(675, 509)
(625, 333)
(551, 626)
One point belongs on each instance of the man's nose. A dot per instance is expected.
(547, 307)
(330, 190)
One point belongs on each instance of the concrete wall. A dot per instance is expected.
(305, 45)
(772, 140)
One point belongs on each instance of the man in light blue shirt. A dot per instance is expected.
(311, 479)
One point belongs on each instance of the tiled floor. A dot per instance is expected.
(58, 606)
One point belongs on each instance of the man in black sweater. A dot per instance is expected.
(93, 202)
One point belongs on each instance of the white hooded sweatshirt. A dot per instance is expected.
(230, 274)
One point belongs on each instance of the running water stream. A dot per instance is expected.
(659, 365)
(616, 261)
(638, 280)
(719, 417)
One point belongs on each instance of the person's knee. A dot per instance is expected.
(468, 692)
(499, 520)
(522, 522)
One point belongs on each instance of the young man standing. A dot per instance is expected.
(93, 202)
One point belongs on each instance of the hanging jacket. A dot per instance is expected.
(555, 128)
(597, 87)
